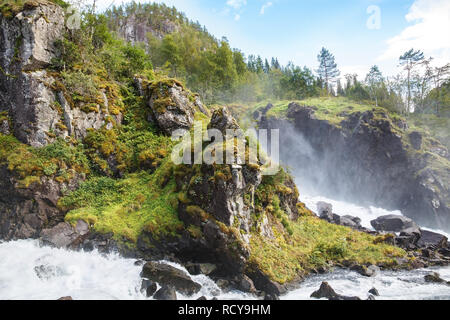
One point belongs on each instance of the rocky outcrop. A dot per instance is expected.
(367, 158)
(171, 106)
(36, 102)
(135, 28)
(25, 212)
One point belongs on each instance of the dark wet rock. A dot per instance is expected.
(245, 284)
(366, 271)
(200, 268)
(139, 263)
(326, 291)
(64, 235)
(149, 287)
(416, 140)
(166, 293)
(168, 275)
(393, 223)
(263, 283)
(223, 284)
(374, 292)
(202, 298)
(271, 297)
(68, 298)
(435, 278)
(371, 298)
(429, 238)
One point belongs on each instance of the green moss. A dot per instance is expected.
(312, 243)
(127, 207)
(59, 160)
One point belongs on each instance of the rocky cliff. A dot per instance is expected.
(368, 156)
(85, 162)
(33, 96)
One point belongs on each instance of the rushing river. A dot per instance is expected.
(29, 271)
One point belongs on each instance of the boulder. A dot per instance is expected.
(366, 271)
(371, 298)
(271, 297)
(429, 238)
(350, 221)
(326, 291)
(374, 292)
(167, 275)
(393, 223)
(325, 211)
(435, 278)
(64, 235)
(149, 287)
(200, 268)
(202, 298)
(166, 293)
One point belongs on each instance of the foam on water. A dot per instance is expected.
(29, 271)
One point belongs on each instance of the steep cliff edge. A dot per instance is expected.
(367, 155)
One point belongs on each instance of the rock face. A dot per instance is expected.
(170, 276)
(25, 212)
(27, 90)
(172, 107)
(134, 28)
(376, 152)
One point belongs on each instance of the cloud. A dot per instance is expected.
(236, 4)
(237, 17)
(429, 32)
(264, 7)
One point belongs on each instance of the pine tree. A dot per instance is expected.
(409, 60)
(328, 70)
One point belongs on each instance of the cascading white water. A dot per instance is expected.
(29, 271)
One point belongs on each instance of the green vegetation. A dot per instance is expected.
(59, 160)
(315, 243)
(127, 207)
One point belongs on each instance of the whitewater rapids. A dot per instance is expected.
(32, 272)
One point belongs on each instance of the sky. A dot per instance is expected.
(360, 33)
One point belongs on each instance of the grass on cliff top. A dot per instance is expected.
(139, 202)
(10, 8)
(332, 109)
(316, 243)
